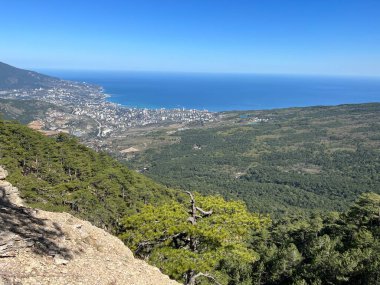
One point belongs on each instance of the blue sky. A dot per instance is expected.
(335, 37)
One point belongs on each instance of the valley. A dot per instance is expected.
(282, 196)
(297, 160)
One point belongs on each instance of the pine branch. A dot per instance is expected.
(200, 274)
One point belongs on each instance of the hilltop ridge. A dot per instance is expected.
(12, 78)
(56, 248)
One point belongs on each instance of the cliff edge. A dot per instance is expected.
(39, 247)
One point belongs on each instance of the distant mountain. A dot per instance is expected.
(15, 78)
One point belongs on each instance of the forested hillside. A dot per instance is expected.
(301, 159)
(14, 78)
(235, 247)
(25, 111)
(198, 239)
(60, 174)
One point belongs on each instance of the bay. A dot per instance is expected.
(224, 92)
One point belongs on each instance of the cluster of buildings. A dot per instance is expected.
(84, 111)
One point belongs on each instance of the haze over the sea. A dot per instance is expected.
(222, 92)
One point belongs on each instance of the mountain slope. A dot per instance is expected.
(25, 111)
(59, 174)
(15, 78)
(56, 248)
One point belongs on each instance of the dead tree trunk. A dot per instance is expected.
(193, 220)
(190, 274)
(200, 274)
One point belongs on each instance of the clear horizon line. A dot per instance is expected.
(306, 74)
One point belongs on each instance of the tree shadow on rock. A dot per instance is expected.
(20, 228)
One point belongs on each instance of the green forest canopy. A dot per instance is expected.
(302, 159)
(234, 245)
(59, 174)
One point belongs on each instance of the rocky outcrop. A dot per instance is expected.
(3, 173)
(9, 193)
(39, 247)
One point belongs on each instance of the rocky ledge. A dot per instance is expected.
(39, 247)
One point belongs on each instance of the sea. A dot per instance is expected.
(226, 92)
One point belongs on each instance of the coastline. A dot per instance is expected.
(221, 93)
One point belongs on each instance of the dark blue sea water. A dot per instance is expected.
(217, 92)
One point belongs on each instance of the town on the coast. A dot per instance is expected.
(85, 101)
(82, 110)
